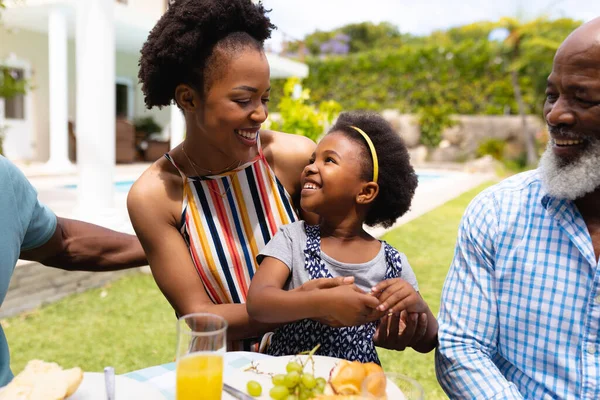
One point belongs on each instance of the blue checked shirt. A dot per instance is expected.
(520, 314)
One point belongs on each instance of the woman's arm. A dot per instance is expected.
(429, 341)
(153, 205)
(287, 155)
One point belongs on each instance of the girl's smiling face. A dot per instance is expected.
(333, 179)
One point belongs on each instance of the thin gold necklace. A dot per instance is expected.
(210, 172)
(194, 165)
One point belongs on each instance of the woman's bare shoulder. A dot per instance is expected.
(157, 190)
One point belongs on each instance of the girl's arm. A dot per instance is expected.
(268, 302)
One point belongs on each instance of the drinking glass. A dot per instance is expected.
(201, 344)
(396, 386)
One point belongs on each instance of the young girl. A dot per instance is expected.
(359, 174)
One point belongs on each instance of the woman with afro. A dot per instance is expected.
(205, 211)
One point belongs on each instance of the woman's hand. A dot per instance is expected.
(397, 331)
(408, 321)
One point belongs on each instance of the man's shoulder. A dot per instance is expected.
(511, 195)
(11, 174)
(8, 170)
(520, 186)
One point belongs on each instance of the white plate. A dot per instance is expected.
(92, 388)
(276, 365)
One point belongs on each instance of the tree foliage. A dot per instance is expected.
(300, 116)
(10, 84)
(359, 36)
(456, 71)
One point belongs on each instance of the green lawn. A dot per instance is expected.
(129, 325)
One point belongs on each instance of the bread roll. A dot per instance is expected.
(73, 376)
(347, 379)
(43, 381)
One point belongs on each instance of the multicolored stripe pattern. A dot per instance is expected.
(226, 221)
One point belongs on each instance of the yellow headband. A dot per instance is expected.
(373, 152)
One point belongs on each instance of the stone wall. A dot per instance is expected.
(33, 285)
(465, 137)
(460, 142)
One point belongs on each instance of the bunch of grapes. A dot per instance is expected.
(295, 385)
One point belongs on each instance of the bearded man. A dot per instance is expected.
(520, 312)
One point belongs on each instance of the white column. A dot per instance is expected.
(177, 126)
(58, 100)
(95, 126)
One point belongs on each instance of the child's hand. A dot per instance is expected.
(396, 295)
(325, 283)
(348, 305)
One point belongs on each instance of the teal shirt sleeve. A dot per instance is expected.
(37, 221)
(25, 224)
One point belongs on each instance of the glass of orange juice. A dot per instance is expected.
(201, 344)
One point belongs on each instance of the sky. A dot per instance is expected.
(296, 18)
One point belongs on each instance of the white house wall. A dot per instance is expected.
(127, 67)
(152, 8)
(33, 47)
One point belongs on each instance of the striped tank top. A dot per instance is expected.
(226, 221)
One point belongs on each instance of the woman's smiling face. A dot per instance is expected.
(333, 178)
(235, 104)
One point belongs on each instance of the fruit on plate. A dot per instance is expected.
(296, 384)
(347, 379)
(43, 381)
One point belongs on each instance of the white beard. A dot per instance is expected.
(572, 180)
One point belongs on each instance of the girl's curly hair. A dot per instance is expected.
(397, 179)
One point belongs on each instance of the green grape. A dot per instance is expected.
(291, 397)
(321, 382)
(254, 389)
(279, 392)
(309, 381)
(319, 389)
(278, 380)
(305, 395)
(292, 379)
(293, 366)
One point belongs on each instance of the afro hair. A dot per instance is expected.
(180, 47)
